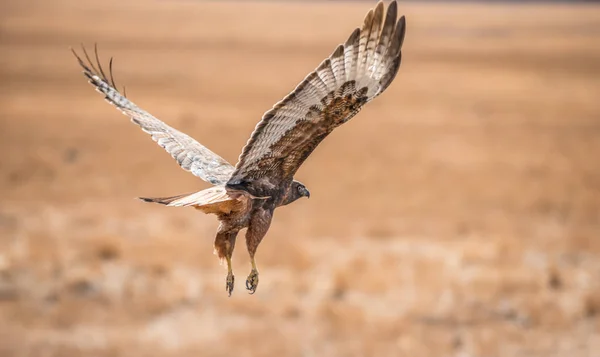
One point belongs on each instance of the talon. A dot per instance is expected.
(252, 281)
(229, 283)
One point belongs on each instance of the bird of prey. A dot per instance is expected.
(245, 196)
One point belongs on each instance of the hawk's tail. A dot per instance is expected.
(209, 196)
(164, 200)
(212, 200)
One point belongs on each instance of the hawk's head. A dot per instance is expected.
(297, 190)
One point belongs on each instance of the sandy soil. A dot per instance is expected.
(457, 215)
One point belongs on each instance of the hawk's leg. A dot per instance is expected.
(230, 280)
(258, 227)
(224, 245)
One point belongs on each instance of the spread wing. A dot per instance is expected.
(190, 154)
(353, 75)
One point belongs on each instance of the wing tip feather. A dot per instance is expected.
(339, 52)
(378, 13)
(402, 24)
(353, 37)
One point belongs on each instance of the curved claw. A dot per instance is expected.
(252, 282)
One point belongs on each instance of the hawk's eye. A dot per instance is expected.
(300, 189)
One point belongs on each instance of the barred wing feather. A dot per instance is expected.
(190, 154)
(355, 73)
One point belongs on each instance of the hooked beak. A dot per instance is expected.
(307, 193)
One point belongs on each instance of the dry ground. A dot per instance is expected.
(457, 215)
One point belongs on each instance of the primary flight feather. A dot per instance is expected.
(245, 196)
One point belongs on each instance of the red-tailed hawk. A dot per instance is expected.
(246, 195)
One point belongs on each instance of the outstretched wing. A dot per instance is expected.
(190, 154)
(354, 74)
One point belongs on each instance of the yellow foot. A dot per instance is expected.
(252, 281)
(229, 283)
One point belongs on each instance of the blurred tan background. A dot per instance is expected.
(456, 215)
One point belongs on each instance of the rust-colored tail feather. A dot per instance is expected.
(211, 200)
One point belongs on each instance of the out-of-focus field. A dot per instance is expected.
(456, 215)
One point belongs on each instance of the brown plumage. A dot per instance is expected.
(245, 196)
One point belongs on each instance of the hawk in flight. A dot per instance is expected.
(245, 195)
